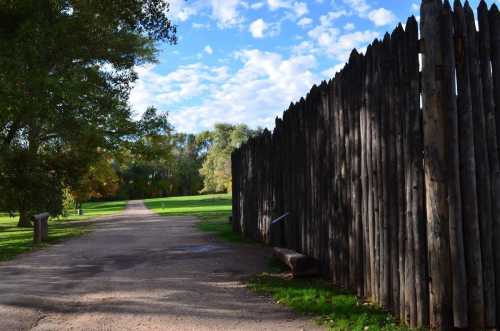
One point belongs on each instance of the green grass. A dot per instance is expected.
(212, 210)
(333, 308)
(95, 209)
(14, 240)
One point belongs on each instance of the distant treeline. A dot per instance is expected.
(165, 164)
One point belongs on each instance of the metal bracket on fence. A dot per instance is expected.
(281, 218)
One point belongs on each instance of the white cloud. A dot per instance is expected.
(258, 27)
(208, 50)
(359, 6)
(182, 11)
(382, 16)
(349, 26)
(224, 12)
(306, 47)
(181, 85)
(298, 8)
(201, 26)
(254, 94)
(337, 45)
(257, 5)
(305, 21)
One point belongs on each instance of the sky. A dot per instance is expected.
(243, 61)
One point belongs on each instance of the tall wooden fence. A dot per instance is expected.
(391, 174)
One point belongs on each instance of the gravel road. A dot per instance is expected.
(140, 271)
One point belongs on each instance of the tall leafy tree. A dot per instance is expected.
(147, 165)
(189, 155)
(221, 142)
(66, 67)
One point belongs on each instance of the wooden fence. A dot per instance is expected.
(391, 174)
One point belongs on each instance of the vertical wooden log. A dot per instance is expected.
(398, 189)
(495, 61)
(338, 180)
(475, 293)
(403, 166)
(364, 175)
(493, 156)
(393, 173)
(483, 168)
(385, 117)
(369, 169)
(494, 22)
(435, 143)
(376, 170)
(457, 255)
(415, 263)
(362, 155)
(357, 189)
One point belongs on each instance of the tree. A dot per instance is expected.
(100, 182)
(65, 69)
(189, 155)
(221, 142)
(147, 159)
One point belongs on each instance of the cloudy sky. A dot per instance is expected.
(244, 61)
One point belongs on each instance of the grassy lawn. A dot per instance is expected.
(14, 240)
(212, 210)
(333, 308)
(95, 209)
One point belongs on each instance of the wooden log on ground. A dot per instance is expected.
(300, 265)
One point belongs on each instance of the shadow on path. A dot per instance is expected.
(140, 271)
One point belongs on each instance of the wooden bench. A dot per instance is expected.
(40, 227)
(300, 265)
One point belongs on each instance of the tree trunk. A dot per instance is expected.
(24, 220)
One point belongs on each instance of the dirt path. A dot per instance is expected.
(139, 271)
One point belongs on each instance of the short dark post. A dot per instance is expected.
(41, 228)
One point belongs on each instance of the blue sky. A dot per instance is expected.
(243, 61)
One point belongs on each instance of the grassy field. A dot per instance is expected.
(95, 209)
(212, 210)
(14, 240)
(335, 309)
